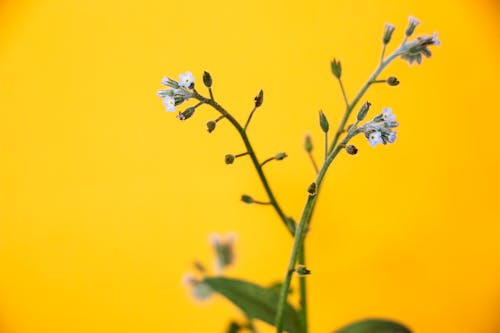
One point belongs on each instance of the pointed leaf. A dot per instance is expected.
(374, 326)
(255, 301)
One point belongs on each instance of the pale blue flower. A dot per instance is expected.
(392, 137)
(169, 103)
(388, 116)
(374, 138)
(186, 79)
(413, 20)
(435, 39)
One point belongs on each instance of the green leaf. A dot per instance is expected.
(374, 326)
(255, 301)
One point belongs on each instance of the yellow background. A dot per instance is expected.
(106, 199)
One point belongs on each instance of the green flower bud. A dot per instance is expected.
(351, 149)
(389, 29)
(302, 270)
(392, 81)
(312, 189)
(259, 99)
(363, 111)
(188, 113)
(308, 144)
(323, 122)
(229, 158)
(336, 68)
(207, 79)
(247, 199)
(211, 126)
(280, 156)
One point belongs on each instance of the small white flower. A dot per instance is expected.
(375, 138)
(169, 103)
(186, 79)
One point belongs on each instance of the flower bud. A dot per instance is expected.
(247, 199)
(308, 146)
(312, 189)
(363, 111)
(336, 68)
(392, 81)
(207, 79)
(302, 270)
(166, 81)
(211, 126)
(280, 156)
(389, 29)
(351, 149)
(259, 99)
(229, 158)
(411, 26)
(323, 122)
(186, 114)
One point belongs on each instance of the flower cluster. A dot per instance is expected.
(413, 51)
(380, 129)
(178, 92)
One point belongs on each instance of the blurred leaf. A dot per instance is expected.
(276, 287)
(374, 326)
(234, 327)
(255, 301)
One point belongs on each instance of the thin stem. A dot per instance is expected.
(211, 94)
(268, 160)
(383, 53)
(379, 81)
(298, 241)
(303, 292)
(242, 154)
(249, 118)
(261, 202)
(343, 92)
(326, 145)
(360, 94)
(251, 152)
(313, 162)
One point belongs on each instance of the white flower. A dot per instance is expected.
(169, 103)
(186, 79)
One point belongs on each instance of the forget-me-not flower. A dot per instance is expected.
(169, 103)
(375, 138)
(388, 116)
(186, 79)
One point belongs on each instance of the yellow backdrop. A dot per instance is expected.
(106, 199)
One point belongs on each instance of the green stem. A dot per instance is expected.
(298, 241)
(303, 292)
(313, 162)
(343, 92)
(360, 94)
(249, 118)
(251, 152)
